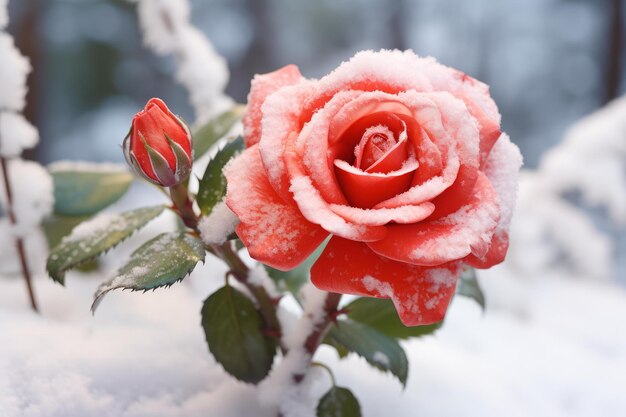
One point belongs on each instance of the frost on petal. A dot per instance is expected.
(468, 230)
(282, 113)
(274, 232)
(421, 294)
(317, 211)
(16, 134)
(13, 71)
(382, 216)
(502, 169)
(261, 87)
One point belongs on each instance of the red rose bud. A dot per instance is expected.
(158, 145)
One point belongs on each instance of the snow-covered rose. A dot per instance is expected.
(399, 158)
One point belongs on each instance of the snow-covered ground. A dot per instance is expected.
(145, 355)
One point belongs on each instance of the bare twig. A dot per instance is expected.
(19, 242)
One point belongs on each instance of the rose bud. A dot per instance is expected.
(158, 145)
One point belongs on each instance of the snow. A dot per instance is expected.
(4, 15)
(145, 355)
(259, 277)
(95, 226)
(278, 389)
(167, 30)
(218, 225)
(16, 134)
(13, 71)
(32, 195)
(593, 150)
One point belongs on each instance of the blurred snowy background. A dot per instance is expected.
(552, 341)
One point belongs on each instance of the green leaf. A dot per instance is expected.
(380, 314)
(381, 351)
(214, 130)
(233, 330)
(79, 191)
(468, 286)
(159, 262)
(294, 279)
(213, 183)
(342, 351)
(92, 238)
(338, 402)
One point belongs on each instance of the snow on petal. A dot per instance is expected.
(282, 113)
(261, 87)
(274, 232)
(16, 134)
(468, 230)
(420, 294)
(382, 216)
(317, 211)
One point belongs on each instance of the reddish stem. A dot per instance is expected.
(19, 242)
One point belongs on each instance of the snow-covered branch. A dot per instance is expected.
(167, 30)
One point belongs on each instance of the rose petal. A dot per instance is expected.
(468, 230)
(282, 113)
(274, 232)
(365, 190)
(379, 217)
(261, 87)
(454, 131)
(502, 169)
(421, 295)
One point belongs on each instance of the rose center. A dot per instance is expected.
(375, 143)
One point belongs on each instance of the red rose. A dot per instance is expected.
(158, 145)
(399, 158)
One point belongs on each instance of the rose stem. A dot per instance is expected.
(267, 304)
(184, 205)
(316, 337)
(19, 242)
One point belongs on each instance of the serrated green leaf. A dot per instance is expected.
(380, 314)
(214, 130)
(233, 330)
(80, 192)
(294, 279)
(338, 402)
(159, 262)
(213, 183)
(381, 351)
(468, 286)
(90, 239)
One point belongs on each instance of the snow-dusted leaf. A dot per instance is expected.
(338, 402)
(84, 191)
(213, 183)
(468, 286)
(381, 351)
(160, 262)
(95, 236)
(233, 330)
(380, 314)
(214, 130)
